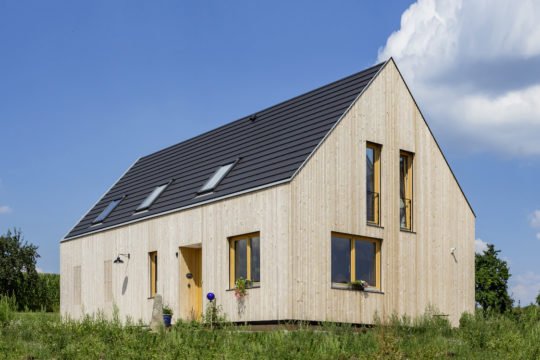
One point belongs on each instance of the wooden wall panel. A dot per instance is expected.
(329, 195)
(210, 226)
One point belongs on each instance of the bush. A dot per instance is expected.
(8, 306)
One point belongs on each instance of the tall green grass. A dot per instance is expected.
(47, 336)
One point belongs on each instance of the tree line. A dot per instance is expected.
(19, 279)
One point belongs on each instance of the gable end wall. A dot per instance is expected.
(328, 194)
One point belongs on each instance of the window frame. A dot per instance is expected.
(155, 194)
(153, 272)
(377, 151)
(106, 212)
(206, 189)
(408, 188)
(232, 258)
(352, 265)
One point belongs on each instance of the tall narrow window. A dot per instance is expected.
(373, 183)
(153, 273)
(77, 285)
(107, 280)
(355, 258)
(244, 258)
(405, 190)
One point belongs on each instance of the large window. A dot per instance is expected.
(355, 258)
(153, 273)
(245, 259)
(373, 183)
(405, 190)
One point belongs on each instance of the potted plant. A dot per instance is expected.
(240, 287)
(359, 285)
(167, 315)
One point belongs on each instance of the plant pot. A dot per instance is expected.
(357, 287)
(167, 319)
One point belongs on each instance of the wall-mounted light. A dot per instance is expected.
(119, 260)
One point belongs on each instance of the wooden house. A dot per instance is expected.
(311, 200)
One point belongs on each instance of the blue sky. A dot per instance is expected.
(88, 87)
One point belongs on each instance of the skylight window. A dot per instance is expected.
(150, 199)
(106, 212)
(220, 173)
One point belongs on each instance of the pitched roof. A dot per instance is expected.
(269, 147)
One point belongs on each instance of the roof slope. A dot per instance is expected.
(271, 148)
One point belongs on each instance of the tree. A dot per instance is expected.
(491, 281)
(538, 299)
(18, 275)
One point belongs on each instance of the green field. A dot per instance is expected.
(45, 336)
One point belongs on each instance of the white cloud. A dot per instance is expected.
(534, 219)
(473, 65)
(480, 246)
(525, 287)
(39, 270)
(4, 209)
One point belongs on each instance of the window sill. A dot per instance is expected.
(346, 288)
(150, 297)
(375, 225)
(407, 231)
(249, 288)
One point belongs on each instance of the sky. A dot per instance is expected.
(88, 87)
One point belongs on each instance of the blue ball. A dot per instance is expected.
(210, 296)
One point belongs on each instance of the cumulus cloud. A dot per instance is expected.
(534, 221)
(525, 287)
(4, 209)
(480, 246)
(474, 66)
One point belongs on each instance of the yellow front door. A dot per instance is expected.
(191, 283)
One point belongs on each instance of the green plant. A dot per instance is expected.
(167, 310)
(491, 281)
(358, 285)
(214, 315)
(240, 287)
(8, 306)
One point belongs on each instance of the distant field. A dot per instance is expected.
(44, 336)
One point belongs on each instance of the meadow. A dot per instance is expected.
(40, 335)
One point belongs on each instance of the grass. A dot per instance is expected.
(46, 336)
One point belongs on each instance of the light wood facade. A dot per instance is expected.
(295, 222)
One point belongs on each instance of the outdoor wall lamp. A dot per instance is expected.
(120, 261)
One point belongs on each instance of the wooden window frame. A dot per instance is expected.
(408, 190)
(232, 258)
(377, 149)
(153, 272)
(352, 270)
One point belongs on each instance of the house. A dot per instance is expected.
(341, 184)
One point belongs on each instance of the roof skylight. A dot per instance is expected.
(106, 212)
(220, 173)
(150, 199)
